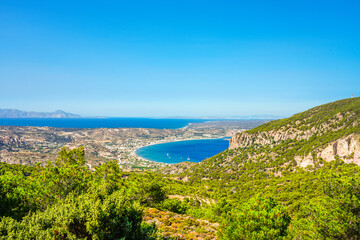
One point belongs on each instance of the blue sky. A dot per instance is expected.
(178, 58)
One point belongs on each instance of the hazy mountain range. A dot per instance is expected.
(14, 113)
(231, 117)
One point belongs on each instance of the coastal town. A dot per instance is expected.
(32, 145)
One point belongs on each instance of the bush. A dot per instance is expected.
(174, 205)
(82, 217)
(154, 194)
(260, 218)
(335, 215)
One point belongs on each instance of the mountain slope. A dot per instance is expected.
(323, 133)
(305, 163)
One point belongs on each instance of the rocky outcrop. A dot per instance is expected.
(304, 161)
(295, 129)
(246, 139)
(347, 148)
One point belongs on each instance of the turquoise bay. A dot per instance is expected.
(181, 151)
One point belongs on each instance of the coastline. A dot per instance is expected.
(96, 122)
(103, 144)
(164, 142)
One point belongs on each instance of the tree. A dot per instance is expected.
(68, 174)
(154, 194)
(82, 217)
(260, 218)
(335, 215)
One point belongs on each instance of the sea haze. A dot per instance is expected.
(100, 122)
(181, 151)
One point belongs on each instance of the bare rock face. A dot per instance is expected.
(311, 131)
(298, 130)
(246, 139)
(304, 161)
(347, 148)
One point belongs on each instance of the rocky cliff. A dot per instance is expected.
(325, 132)
(347, 148)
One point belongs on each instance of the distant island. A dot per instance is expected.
(14, 113)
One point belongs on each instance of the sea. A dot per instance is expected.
(174, 152)
(181, 151)
(100, 122)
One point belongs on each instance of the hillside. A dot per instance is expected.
(308, 163)
(274, 182)
(306, 139)
(14, 113)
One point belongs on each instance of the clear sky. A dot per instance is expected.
(178, 58)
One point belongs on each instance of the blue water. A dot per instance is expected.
(99, 122)
(192, 150)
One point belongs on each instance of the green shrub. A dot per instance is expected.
(174, 205)
(82, 217)
(260, 218)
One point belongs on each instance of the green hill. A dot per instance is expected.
(296, 178)
(317, 116)
(307, 139)
(307, 163)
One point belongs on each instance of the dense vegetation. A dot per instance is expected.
(316, 116)
(64, 200)
(257, 192)
(313, 130)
